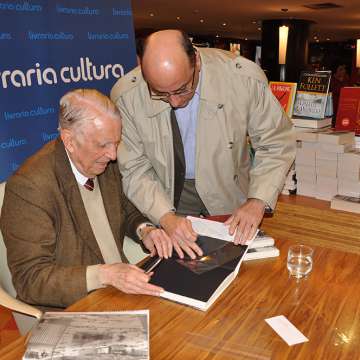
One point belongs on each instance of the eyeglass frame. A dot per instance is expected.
(165, 96)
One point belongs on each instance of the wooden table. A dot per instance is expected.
(325, 306)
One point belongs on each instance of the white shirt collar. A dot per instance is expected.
(80, 178)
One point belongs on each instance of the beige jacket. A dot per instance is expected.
(235, 101)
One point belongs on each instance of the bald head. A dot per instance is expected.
(168, 60)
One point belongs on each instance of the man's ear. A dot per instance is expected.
(198, 60)
(67, 139)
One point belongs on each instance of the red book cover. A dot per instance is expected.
(348, 115)
(285, 94)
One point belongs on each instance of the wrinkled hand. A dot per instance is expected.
(245, 220)
(128, 278)
(157, 241)
(182, 235)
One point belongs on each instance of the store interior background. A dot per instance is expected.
(330, 40)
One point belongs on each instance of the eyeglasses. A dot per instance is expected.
(182, 92)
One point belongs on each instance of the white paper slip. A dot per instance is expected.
(286, 330)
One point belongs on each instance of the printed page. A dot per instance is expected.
(112, 335)
(213, 229)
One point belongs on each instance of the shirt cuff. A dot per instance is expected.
(140, 228)
(92, 278)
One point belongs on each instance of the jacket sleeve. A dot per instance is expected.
(273, 139)
(141, 183)
(30, 234)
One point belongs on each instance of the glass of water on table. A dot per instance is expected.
(300, 260)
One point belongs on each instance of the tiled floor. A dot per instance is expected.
(8, 328)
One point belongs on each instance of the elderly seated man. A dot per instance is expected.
(65, 215)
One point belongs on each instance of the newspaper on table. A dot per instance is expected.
(90, 335)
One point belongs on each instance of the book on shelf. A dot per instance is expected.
(346, 203)
(311, 123)
(312, 95)
(285, 94)
(90, 335)
(348, 114)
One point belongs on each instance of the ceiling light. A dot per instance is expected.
(151, 14)
(178, 18)
(317, 40)
(259, 28)
(254, 22)
(327, 39)
(245, 39)
(201, 20)
(217, 35)
(223, 24)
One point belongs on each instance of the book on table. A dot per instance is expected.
(90, 335)
(285, 94)
(200, 282)
(348, 114)
(307, 122)
(346, 203)
(312, 95)
(262, 247)
(313, 102)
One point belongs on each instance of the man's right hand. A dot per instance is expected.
(182, 235)
(128, 278)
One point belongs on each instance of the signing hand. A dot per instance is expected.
(182, 235)
(245, 220)
(157, 241)
(128, 278)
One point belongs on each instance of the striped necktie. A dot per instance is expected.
(89, 184)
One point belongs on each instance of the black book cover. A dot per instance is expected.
(178, 279)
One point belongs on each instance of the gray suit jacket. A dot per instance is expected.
(46, 230)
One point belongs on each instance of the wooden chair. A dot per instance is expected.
(24, 314)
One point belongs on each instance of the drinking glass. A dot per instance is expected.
(300, 260)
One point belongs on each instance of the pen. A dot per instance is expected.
(153, 266)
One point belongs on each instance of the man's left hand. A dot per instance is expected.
(245, 220)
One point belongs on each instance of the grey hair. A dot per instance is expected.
(83, 105)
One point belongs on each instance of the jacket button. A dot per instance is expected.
(220, 106)
(235, 177)
(133, 79)
(238, 66)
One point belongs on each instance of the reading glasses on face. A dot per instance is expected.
(166, 95)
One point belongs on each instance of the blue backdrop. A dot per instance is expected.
(46, 49)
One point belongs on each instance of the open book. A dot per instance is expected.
(198, 283)
(90, 335)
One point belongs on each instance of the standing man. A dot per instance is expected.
(64, 215)
(187, 115)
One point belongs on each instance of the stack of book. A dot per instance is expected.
(263, 246)
(316, 161)
(349, 173)
(346, 203)
(357, 142)
(290, 182)
(313, 102)
(305, 167)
